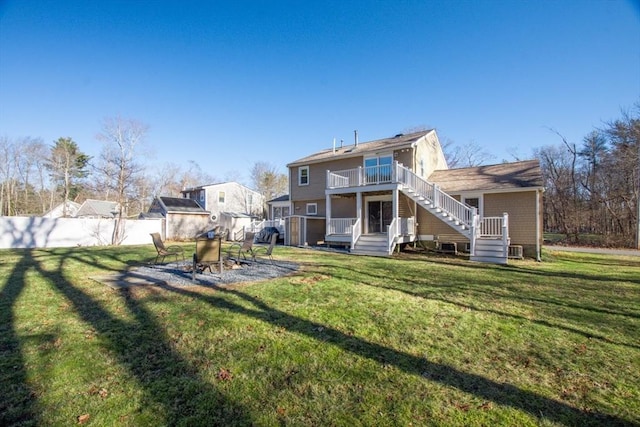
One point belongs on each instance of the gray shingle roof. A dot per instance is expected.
(284, 198)
(179, 204)
(352, 150)
(102, 208)
(504, 176)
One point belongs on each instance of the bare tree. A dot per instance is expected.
(468, 155)
(118, 165)
(8, 161)
(266, 180)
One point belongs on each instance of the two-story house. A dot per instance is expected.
(231, 197)
(372, 196)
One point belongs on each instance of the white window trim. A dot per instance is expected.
(312, 207)
(300, 169)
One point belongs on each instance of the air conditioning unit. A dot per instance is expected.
(515, 251)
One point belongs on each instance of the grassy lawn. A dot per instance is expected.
(345, 341)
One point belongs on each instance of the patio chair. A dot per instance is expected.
(266, 250)
(243, 249)
(165, 251)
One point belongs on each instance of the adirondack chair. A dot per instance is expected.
(266, 250)
(238, 250)
(165, 251)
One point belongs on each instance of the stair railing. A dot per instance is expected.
(438, 198)
(356, 231)
(392, 232)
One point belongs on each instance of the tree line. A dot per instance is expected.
(35, 176)
(592, 189)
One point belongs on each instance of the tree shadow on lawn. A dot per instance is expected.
(16, 398)
(424, 287)
(170, 383)
(502, 394)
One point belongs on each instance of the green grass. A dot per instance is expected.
(345, 341)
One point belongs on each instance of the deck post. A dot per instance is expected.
(505, 233)
(473, 231)
(327, 214)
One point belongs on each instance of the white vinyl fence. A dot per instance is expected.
(38, 232)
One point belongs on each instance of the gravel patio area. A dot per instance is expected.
(179, 274)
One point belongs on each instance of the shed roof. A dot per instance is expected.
(352, 150)
(504, 176)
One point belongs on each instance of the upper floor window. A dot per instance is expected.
(221, 196)
(303, 175)
(378, 169)
(201, 195)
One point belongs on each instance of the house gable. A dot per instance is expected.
(419, 151)
(227, 196)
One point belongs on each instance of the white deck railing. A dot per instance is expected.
(497, 227)
(340, 225)
(399, 174)
(491, 226)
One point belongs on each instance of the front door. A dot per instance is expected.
(380, 215)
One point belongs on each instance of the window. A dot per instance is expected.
(201, 196)
(378, 169)
(312, 208)
(474, 201)
(303, 175)
(220, 196)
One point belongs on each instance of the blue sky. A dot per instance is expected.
(228, 84)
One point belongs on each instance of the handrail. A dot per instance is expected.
(392, 232)
(432, 193)
(356, 231)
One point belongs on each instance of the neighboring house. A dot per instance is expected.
(184, 218)
(58, 211)
(375, 195)
(227, 197)
(279, 208)
(92, 208)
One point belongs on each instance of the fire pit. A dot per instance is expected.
(207, 253)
